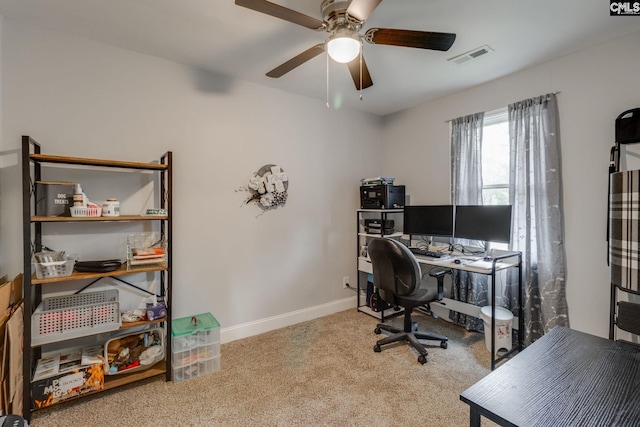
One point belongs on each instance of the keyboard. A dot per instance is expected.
(426, 253)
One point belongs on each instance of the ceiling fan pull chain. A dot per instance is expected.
(327, 55)
(360, 73)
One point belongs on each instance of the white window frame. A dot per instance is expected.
(500, 115)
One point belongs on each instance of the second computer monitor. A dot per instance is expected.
(429, 220)
(488, 223)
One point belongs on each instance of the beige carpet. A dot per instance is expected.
(318, 373)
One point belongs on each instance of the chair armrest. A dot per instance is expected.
(439, 273)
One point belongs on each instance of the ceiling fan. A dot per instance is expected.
(342, 19)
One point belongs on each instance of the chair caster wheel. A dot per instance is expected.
(377, 348)
(444, 344)
(377, 331)
(422, 359)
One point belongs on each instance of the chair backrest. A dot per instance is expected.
(629, 317)
(395, 268)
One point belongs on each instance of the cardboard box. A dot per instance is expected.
(64, 375)
(13, 383)
(11, 349)
(54, 198)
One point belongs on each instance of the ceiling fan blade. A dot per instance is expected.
(361, 9)
(296, 61)
(282, 13)
(354, 69)
(409, 38)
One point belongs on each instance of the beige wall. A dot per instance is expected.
(85, 99)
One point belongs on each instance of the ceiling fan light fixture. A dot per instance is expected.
(344, 46)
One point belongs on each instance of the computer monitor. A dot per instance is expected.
(429, 220)
(488, 223)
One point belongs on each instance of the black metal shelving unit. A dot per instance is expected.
(32, 161)
(364, 264)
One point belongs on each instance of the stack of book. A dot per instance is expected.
(147, 255)
(145, 249)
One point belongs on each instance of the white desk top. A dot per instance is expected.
(474, 264)
(467, 263)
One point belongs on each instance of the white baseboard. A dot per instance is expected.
(260, 326)
(256, 327)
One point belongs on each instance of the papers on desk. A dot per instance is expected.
(468, 263)
(483, 265)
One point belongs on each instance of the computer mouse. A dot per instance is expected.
(457, 261)
(488, 258)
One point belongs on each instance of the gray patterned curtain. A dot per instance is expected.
(537, 227)
(466, 189)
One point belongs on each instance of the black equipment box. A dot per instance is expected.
(382, 196)
(375, 226)
(377, 223)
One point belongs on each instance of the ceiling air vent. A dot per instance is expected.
(471, 55)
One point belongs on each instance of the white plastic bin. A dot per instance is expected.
(503, 322)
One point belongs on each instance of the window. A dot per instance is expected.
(495, 158)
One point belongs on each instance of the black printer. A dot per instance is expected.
(382, 196)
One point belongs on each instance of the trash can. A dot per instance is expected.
(503, 321)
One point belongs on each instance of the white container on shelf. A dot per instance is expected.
(84, 211)
(111, 208)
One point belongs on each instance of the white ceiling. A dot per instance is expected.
(218, 36)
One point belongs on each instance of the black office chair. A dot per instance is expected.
(397, 275)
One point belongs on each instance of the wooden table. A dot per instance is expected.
(565, 378)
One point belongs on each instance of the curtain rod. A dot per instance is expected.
(553, 93)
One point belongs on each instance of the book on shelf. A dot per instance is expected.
(148, 253)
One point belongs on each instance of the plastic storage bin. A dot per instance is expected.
(503, 321)
(72, 316)
(144, 249)
(49, 270)
(195, 346)
(82, 211)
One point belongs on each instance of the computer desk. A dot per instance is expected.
(498, 263)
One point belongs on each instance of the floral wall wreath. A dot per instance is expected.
(268, 187)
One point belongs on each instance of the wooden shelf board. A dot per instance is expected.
(45, 158)
(125, 326)
(139, 323)
(98, 218)
(396, 234)
(113, 381)
(378, 211)
(119, 272)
